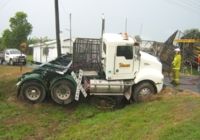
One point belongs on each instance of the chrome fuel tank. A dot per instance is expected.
(105, 87)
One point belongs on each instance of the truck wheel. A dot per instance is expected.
(11, 62)
(33, 91)
(143, 92)
(62, 92)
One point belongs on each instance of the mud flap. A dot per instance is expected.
(128, 93)
(18, 88)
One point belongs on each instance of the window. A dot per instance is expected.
(15, 51)
(7, 53)
(126, 51)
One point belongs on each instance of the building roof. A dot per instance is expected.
(44, 44)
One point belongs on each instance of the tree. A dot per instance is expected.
(191, 33)
(34, 40)
(20, 28)
(6, 39)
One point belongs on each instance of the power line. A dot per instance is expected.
(191, 4)
(184, 5)
(62, 5)
(194, 2)
(70, 16)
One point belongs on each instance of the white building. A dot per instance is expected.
(47, 51)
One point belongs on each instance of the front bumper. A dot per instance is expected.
(20, 59)
(159, 87)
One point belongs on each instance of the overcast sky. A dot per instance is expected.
(151, 19)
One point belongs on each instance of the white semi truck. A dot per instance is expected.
(112, 66)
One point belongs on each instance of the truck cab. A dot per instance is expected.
(118, 52)
(124, 61)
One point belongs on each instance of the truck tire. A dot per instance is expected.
(33, 92)
(143, 92)
(62, 92)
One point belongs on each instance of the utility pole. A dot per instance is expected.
(70, 31)
(57, 28)
(103, 25)
(126, 25)
(102, 32)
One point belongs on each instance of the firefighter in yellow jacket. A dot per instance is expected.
(176, 65)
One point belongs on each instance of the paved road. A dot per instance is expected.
(186, 82)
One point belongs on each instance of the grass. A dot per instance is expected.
(168, 117)
(153, 120)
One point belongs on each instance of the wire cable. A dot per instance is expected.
(185, 6)
(64, 8)
(194, 2)
(190, 4)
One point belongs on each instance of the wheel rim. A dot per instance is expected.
(145, 92)
(62, 92)
(33, 93)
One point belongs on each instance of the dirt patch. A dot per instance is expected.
(12, 71)
(34, 137)
(169, 92)
(12, 99)
(20, 118)
(173, 91)
(184, 112)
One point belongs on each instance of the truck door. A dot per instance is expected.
(124, 61)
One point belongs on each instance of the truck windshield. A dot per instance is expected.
(15, 52)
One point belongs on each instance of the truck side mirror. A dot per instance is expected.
(137, 50)
(138, 53)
